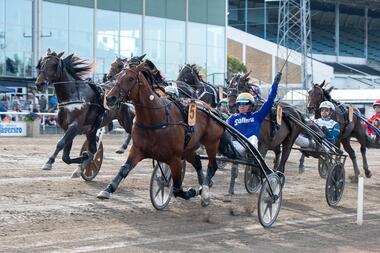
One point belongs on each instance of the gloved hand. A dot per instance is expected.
(278, 77)
(377, 122)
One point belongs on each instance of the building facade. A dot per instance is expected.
(170, 32)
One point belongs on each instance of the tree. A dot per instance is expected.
(234, 65)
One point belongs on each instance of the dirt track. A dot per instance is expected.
(46, 211)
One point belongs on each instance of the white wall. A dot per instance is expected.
(321, 71)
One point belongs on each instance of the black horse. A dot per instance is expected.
(81, 109)
(203, 90)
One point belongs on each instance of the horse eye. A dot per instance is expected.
(131, 79)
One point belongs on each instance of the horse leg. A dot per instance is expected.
(134, 157)
(124, 146)
(176, 170)
(363, 150)
(234, 175)
(277, 155)
(286, 148)
(70, 133)
(351, 153)
(301, 167)
(211, 169)
(195, 160)
(86, 157)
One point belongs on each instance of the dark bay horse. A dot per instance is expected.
(318, 94)
(80, 106)
(204, 91)
(159, 132)
(279, 140)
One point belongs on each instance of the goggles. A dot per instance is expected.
(223, 104)
(243, 103)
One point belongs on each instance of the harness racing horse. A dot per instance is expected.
(204, 91)
(270, 138)
(159, 132)
(318, 94)
(80, 106)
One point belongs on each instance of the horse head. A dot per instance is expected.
(190, 75)
(316, 96)
(115, 68)
(128, 82)
(49, 69)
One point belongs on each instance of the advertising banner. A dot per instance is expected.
(13, 129)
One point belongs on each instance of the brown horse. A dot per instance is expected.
(318, 94)
(159, 132)
(80, 106)
(270, 138)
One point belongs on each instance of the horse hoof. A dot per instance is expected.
(76, 173)
(120, 151)
(205, 200)
(354, 179)
(47, 166)
(368, 174)
(86, 162)
(103, 195)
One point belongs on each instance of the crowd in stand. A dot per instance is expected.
(31, 104)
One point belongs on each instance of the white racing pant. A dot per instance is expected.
(304, 142)
(239, 148)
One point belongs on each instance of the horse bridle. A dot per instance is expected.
(42, 69)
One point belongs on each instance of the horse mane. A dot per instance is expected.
(77, 67)
(157, 74)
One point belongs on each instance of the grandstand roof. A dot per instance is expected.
(372, 4)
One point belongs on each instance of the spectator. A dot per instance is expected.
(53, 103)
(2, 109)
(50, 121)
(43, 103)
(7, 118)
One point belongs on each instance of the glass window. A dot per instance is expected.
(2, 37)
(130, 34)
(132, 6)
(215, 54)
(156, 8)
(216, 12)
(197, 41)
(112, 5)
(154, 40)
(107, 39)
(176, 9)
(175, 47)
(81, 31)
(198, 11)
(54, 27)
(18, 38)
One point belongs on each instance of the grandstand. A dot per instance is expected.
(345, 36)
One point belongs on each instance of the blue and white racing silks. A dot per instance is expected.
(333, 129)
(249, 124)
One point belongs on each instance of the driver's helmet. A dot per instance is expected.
(172, 91)
(376, 103)
(327, 104)
(244, 98)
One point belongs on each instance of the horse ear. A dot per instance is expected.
(330, 89)
(48, 51)
(245, 76)
(60, 54)
(142, 57)
(322, 84)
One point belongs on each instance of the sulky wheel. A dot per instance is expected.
(161, 186)
(93, 168)
(252, 181)
(322, 168)
(335, 185)
(269, 205)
